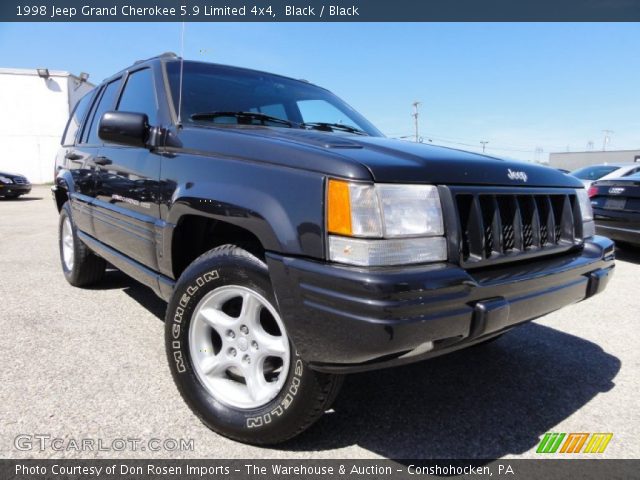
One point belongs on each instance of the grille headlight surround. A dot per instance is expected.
(383, 252)
(586, 211)
(384, 224)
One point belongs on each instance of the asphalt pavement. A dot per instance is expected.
(90, 364)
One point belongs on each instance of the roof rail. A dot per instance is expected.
(162, 55)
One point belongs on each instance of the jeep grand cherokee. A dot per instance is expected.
(294, 243)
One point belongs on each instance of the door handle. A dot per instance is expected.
(102, 161)
(72, 156)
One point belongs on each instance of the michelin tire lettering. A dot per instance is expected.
(285, 403)
(176, 328)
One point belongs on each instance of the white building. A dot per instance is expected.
(575, 160)
(34, 108)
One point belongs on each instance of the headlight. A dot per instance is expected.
(384, 224)
(411, 210)
(5, 180)
(588, 225)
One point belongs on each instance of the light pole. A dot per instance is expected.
(415, 119)
(484, 144)
(606, 139)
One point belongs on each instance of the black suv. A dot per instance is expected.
(294, 243)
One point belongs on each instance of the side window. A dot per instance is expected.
(106, 103)
(76, 118)
(139, 95)
(313, 111)
(84, 134)
(633, 171)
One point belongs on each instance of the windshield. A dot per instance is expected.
(593, 172)
(211, 89)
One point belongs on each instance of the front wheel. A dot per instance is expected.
(230, 354)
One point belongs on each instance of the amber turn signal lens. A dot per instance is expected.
(338, 208)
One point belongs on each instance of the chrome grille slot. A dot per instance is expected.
(503, 224)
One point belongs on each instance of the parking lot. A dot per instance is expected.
(91, 364)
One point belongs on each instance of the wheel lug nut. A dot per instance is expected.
(244, 329)
(246, 359)
(231, 334)
(232, 352)
(254, 345)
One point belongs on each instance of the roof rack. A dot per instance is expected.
(162, 55)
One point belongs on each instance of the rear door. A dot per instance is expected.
(126, 207)
(77, 156)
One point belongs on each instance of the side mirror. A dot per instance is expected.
(124, 128)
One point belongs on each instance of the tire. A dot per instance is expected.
(81, 267)
(235, 398)
(12, 196)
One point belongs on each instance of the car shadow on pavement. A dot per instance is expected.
(116, 280)
(20, 199)
(628, 253)
(483, 402)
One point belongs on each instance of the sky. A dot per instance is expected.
(521, 87)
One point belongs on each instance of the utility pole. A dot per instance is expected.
(415, 118)
(484, 144)
(607, 139)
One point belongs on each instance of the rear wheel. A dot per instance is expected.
(230, 354)
(81, 267)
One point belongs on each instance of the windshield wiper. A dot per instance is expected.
(246, 116)
(330, 127)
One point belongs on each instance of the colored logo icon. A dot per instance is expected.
(574, 443)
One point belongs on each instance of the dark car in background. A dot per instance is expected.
(13, 185)
(616, 206)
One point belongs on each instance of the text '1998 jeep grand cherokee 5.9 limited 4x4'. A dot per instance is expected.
(294, 243)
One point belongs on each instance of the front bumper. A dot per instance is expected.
(347, 319)
(14, 189)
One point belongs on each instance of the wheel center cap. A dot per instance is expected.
(243, 344)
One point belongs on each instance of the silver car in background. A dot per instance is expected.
(605, 171)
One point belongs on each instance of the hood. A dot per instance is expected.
(396, 161)
(365, 158)
(10, 175)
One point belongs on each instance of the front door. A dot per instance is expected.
(126, 183)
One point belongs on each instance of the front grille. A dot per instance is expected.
(500, 224)
(20, 180)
